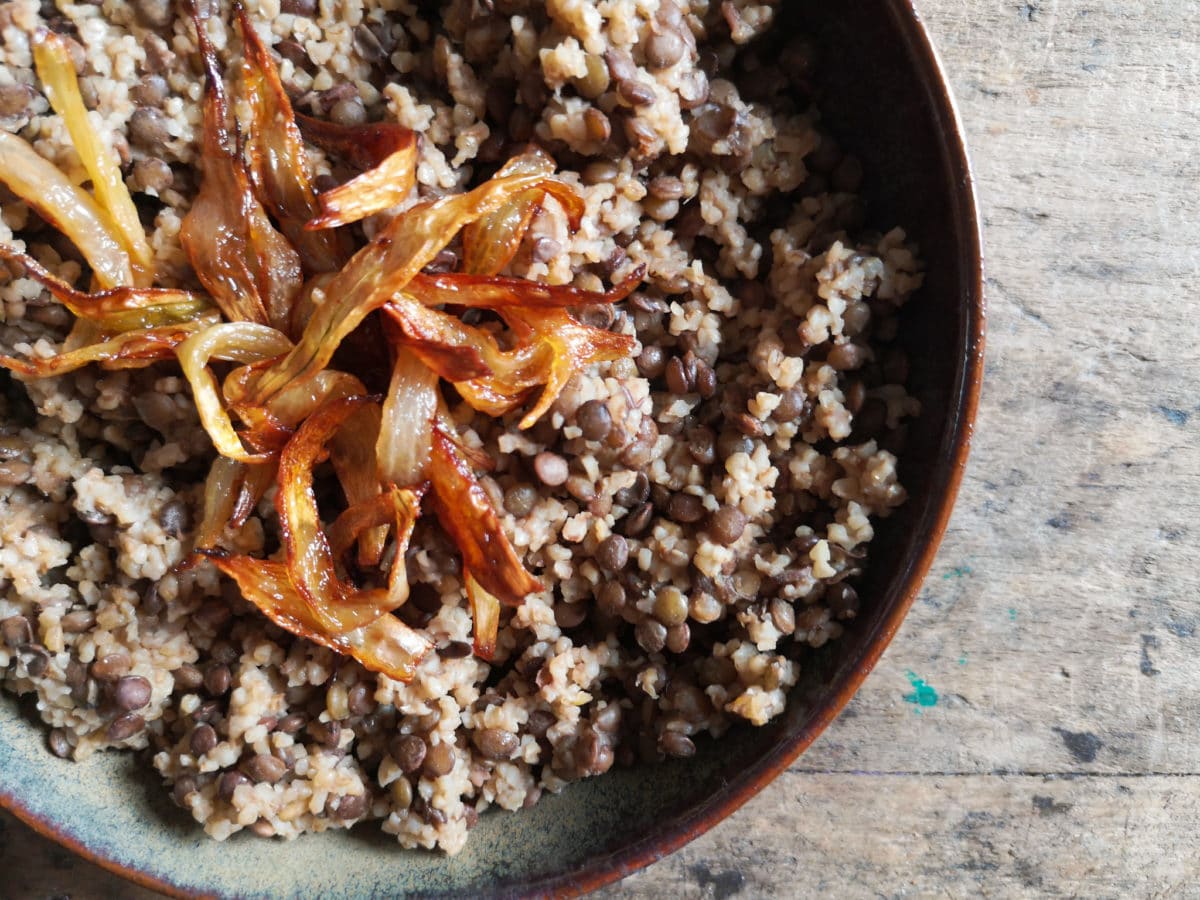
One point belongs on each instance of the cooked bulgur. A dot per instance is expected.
(698, 513)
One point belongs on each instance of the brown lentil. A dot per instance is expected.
(597, 125)
(611, 597)
(151, 90)
(148, 129)
(184, 787)
(229, 783)
(402, 793)
(678, 745)
(408, 751)
(265, 769)
(613, 553)
(111, 667)
(124, 727)
(685, 508)
(569, 615)
(188, 678)
(361, 700)
(218, 680)
(60, 744)
(439, 761)
(204, 739)
(496, 743)
(727, 524)
(519, 500)
(639, 520)
(670, 606)
(664, 49)
(132, 692)
(651, 635)
(842, 600)
(652, 361)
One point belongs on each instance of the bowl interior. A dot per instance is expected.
(882, 95)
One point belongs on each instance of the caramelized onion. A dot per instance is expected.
(248, 267)
(463, 508)
(352, 453)
(278, 163)
(490, 243)
(381, 269)
(131, 350)
(338, 606)
(388, 153)
(117, 309)
(52, 59)
(406, 432)
(68, 208)
(274, 259)
(485, 616)
(386, 645)
(495, 292)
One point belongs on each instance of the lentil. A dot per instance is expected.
(111, 667)
(613, 553)
(123, 727)
(204, 739)
(229, 783)
(132, 692)
(265, 769)
(439, 761)
(551, 469)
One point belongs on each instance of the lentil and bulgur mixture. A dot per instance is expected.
(692, 513)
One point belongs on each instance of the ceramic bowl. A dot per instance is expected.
(885, 97)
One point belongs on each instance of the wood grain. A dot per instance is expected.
(1058, 629)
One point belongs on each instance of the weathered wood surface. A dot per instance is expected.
(1058, 628)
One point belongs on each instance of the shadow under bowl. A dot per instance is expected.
(882, 93)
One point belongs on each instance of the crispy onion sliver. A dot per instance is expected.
(385, 645)
(244, 342)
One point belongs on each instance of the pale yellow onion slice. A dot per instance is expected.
(244, 342)
(57, 73)
(68, 208)
(406, 431)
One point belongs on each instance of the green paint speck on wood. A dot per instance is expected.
(1012, 614)
(958, 572)
(923, 694)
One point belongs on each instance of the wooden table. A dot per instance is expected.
(1034, 727)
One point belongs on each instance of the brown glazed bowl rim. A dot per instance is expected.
(606, 868)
